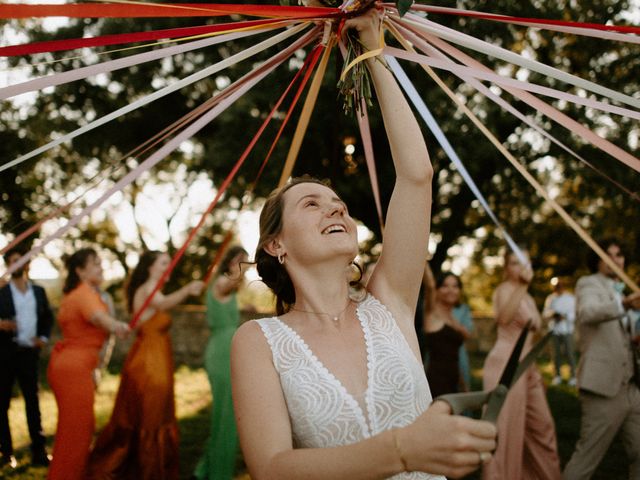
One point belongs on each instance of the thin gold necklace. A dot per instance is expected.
(335, 318)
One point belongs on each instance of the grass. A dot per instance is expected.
(193, 399)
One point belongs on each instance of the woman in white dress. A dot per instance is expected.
(333, 388)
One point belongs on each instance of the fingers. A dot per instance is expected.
(440, 406)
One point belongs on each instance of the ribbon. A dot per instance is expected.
(139, 10)
(508, 56)
(241, 87)
(227, 62)
(521, 20)
(305, 115)
(551, 112)
(365, 135)
(116, 39)
(421, 44)
(532, 181)
(463, 71)
(446, 146)
(259, 74)
(112, 65)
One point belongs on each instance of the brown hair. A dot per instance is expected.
(78, 260)
(139, 275)
(225, 263)
(273, 274)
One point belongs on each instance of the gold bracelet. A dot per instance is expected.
(396, 445)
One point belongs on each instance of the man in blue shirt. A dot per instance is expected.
(25, 325)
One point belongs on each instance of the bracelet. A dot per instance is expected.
(396, 445)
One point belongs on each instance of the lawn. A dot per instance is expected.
(193, 399)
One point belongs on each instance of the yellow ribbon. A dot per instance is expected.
(305, 115)
(518, 166)
(364, 56)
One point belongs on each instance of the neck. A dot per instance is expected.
(442, 307)
(321, 288)
(21, 283)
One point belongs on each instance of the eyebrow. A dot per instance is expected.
(315, 196)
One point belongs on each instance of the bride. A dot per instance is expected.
(333, 388)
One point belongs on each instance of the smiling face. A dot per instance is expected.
(91, 271)
(316, 224)
(449, 291)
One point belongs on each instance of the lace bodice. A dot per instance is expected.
(322, 412)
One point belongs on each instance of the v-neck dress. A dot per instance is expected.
(322, 412)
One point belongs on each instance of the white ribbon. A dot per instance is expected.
(247, 82)
(446, 146)
(110, 66)
(508, 56)
(227, 62)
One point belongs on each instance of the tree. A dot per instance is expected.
(598, 205)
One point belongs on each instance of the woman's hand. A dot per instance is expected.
(120, 329)
(368, 27)
(441, 443)
(195, 287)
(526, 274)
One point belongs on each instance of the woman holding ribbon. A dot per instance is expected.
(223, 318)
(85, 322)
(526, 434)
(333, 387)
(141, 439)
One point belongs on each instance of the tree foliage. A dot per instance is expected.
(29, 190)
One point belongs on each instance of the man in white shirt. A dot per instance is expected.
(560, 312)
(25, 325)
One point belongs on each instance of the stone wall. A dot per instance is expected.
(189, 335)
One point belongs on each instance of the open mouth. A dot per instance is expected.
(334, 229)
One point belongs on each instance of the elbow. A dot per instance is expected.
(426, 173)
(421, 178)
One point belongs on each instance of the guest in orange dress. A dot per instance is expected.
(84, 321)
(140, 442)
(527, 447)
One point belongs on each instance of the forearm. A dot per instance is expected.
(169, 301)
(592, 312)
(408, 149)
(104, 321)
(374, 458)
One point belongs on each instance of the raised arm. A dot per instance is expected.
(396, 279)
(161, 301)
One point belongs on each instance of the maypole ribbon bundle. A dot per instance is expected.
(434, 45)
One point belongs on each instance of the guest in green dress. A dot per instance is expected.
(223, 317)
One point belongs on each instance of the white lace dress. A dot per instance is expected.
(322, 412)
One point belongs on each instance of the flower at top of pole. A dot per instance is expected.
(350, 6)
(355, 84)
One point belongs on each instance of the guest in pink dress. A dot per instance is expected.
(527, 447)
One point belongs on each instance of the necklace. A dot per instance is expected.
(335, 318)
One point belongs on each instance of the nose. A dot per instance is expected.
(335, 209)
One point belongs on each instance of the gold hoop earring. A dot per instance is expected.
(281, 258)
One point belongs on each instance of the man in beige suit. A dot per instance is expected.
(609, 397)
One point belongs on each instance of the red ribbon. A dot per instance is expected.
(512, 19)
(70, 44)
(278, 58)
(138, 10)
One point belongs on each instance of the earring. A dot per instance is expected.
(281, 258)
